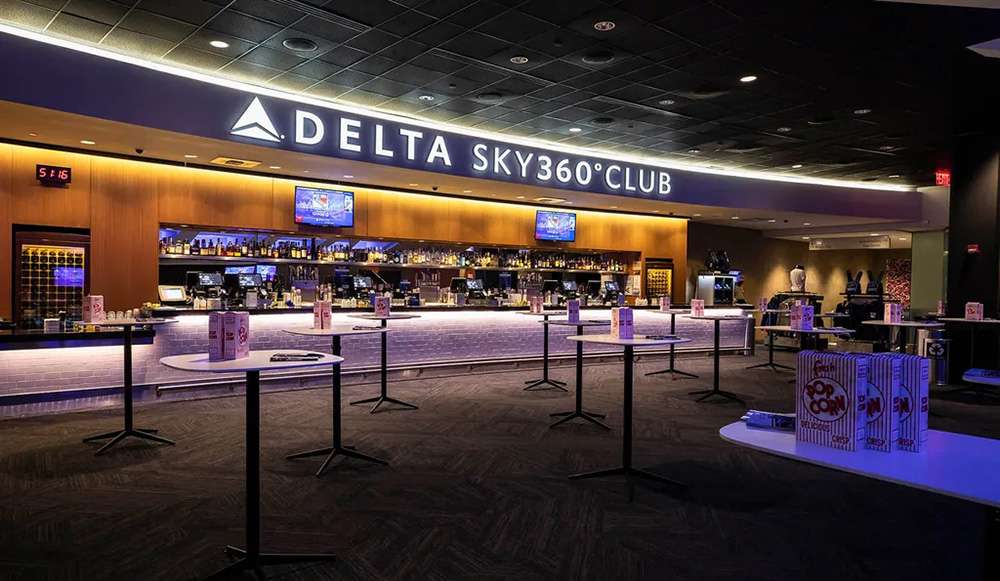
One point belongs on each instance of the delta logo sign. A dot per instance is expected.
(338, 134)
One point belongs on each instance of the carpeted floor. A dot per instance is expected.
(476, 490)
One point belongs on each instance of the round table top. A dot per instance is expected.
(542, 314)
(918, 324)
(636, 341)
(718, 317)
(580, 323)
(131, 322)
(335, 331)
(813, 331)
(671, 312)
(257, 361)
(835, 315)
(974, 321)
(390, 316)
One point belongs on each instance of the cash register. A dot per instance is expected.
(362, 288)
(476, 295)
(611, 292)
(207, 289)
(248, 289)
(569, 289)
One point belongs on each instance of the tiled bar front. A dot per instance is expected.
(435, 338)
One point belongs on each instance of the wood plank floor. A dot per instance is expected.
(476, 490)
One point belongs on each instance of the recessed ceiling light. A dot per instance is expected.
(614, 207)
(771, 221)
(520, 197)
(656, 211)
(348, 176)
(575, 130)
(735, 218)
(32, 134)
(903, 238)
(862, 111)
(874, 234)
(784, 129)
(413, 184)
(748, 79)
(886, 147)
(805, 238)
(519, 60)
(190, 155)
(426, 97)
(274, 166)
(305, 171)
(666, 101)
(694, 150)
(807, 223)
(88, 142)
(568, 202)
(219, 44)
(696, 215)
(604, 25)
(299, 44)
(797, 166)
(466, 191)
(893, 176)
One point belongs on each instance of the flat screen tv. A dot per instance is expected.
(557, 226)
(266, 271)
(318, 207)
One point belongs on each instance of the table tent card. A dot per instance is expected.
(664, 303)
(801, 317)
(974, 311)
(382, 305)
(698, 307)
(831, 390)
(573, 310)
(93, 309)
(893, 313)
(622, 323)
(536, 305)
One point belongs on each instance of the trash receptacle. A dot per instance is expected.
(936, 348)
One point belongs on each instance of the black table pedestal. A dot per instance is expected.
(770, 357)
(383, 396)
(552, 383)
(626, 468)
(338, 449)
(251, 557)
(129, 431)
(707, 393)
(672, 369)
(579, 412)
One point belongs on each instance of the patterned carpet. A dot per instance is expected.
(476, 490)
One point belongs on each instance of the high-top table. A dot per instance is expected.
(803, 333)
(673, 330)
(903, 328)
(955, 465)
(628, 346)
(707, 393)
(545, 380)
(129, 429)
(579, 412)
(251, 557)
(383, 396)
(337, 448)
(973, 325)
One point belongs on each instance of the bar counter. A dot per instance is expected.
(440, 336)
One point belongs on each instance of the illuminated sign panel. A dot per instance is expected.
(328, 132)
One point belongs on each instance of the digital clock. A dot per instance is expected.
(52, 175)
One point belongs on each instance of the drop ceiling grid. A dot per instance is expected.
(387, 54)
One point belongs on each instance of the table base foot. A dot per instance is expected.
(333, 452)
(707, 393)
(119, 435)
(535, 385)
(381, 399)
(674, 372)
(590, 417)
(247, 563)
(630, 473)
(773, 366)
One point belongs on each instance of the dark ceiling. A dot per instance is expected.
(665, 81)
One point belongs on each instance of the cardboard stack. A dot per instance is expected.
(93, 309)
(322, 314)
(830, 399)
(893, 313)
(228, 335)
(698, 307)
(974, 311)
(882, 405)
(573, 310)
(622, 323)
(801, 317)
(382, 305)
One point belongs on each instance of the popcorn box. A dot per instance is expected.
(621, 300)
(801, 317)
(622, 323)
(573, 310)
(941, 308)
(762, 305)
(830, 399)
(236, 334)
(536, 305)
(93, 309)
(322, 314)
(664, 303)
(382, 305)
(974, 311)
(914, 402)
(698, 307)
(215, 336)
(893, 313)
(882, 403)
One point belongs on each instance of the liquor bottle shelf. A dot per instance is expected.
(185, 259)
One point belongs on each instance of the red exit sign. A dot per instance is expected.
(53, 175)
(942, 177)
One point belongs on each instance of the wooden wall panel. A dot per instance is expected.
(124, 231)
(34, 203)
(6, 244)
(197, 196)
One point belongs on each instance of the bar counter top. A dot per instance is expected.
(39, 339)
(436, 307)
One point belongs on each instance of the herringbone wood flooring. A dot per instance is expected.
(476, 490)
